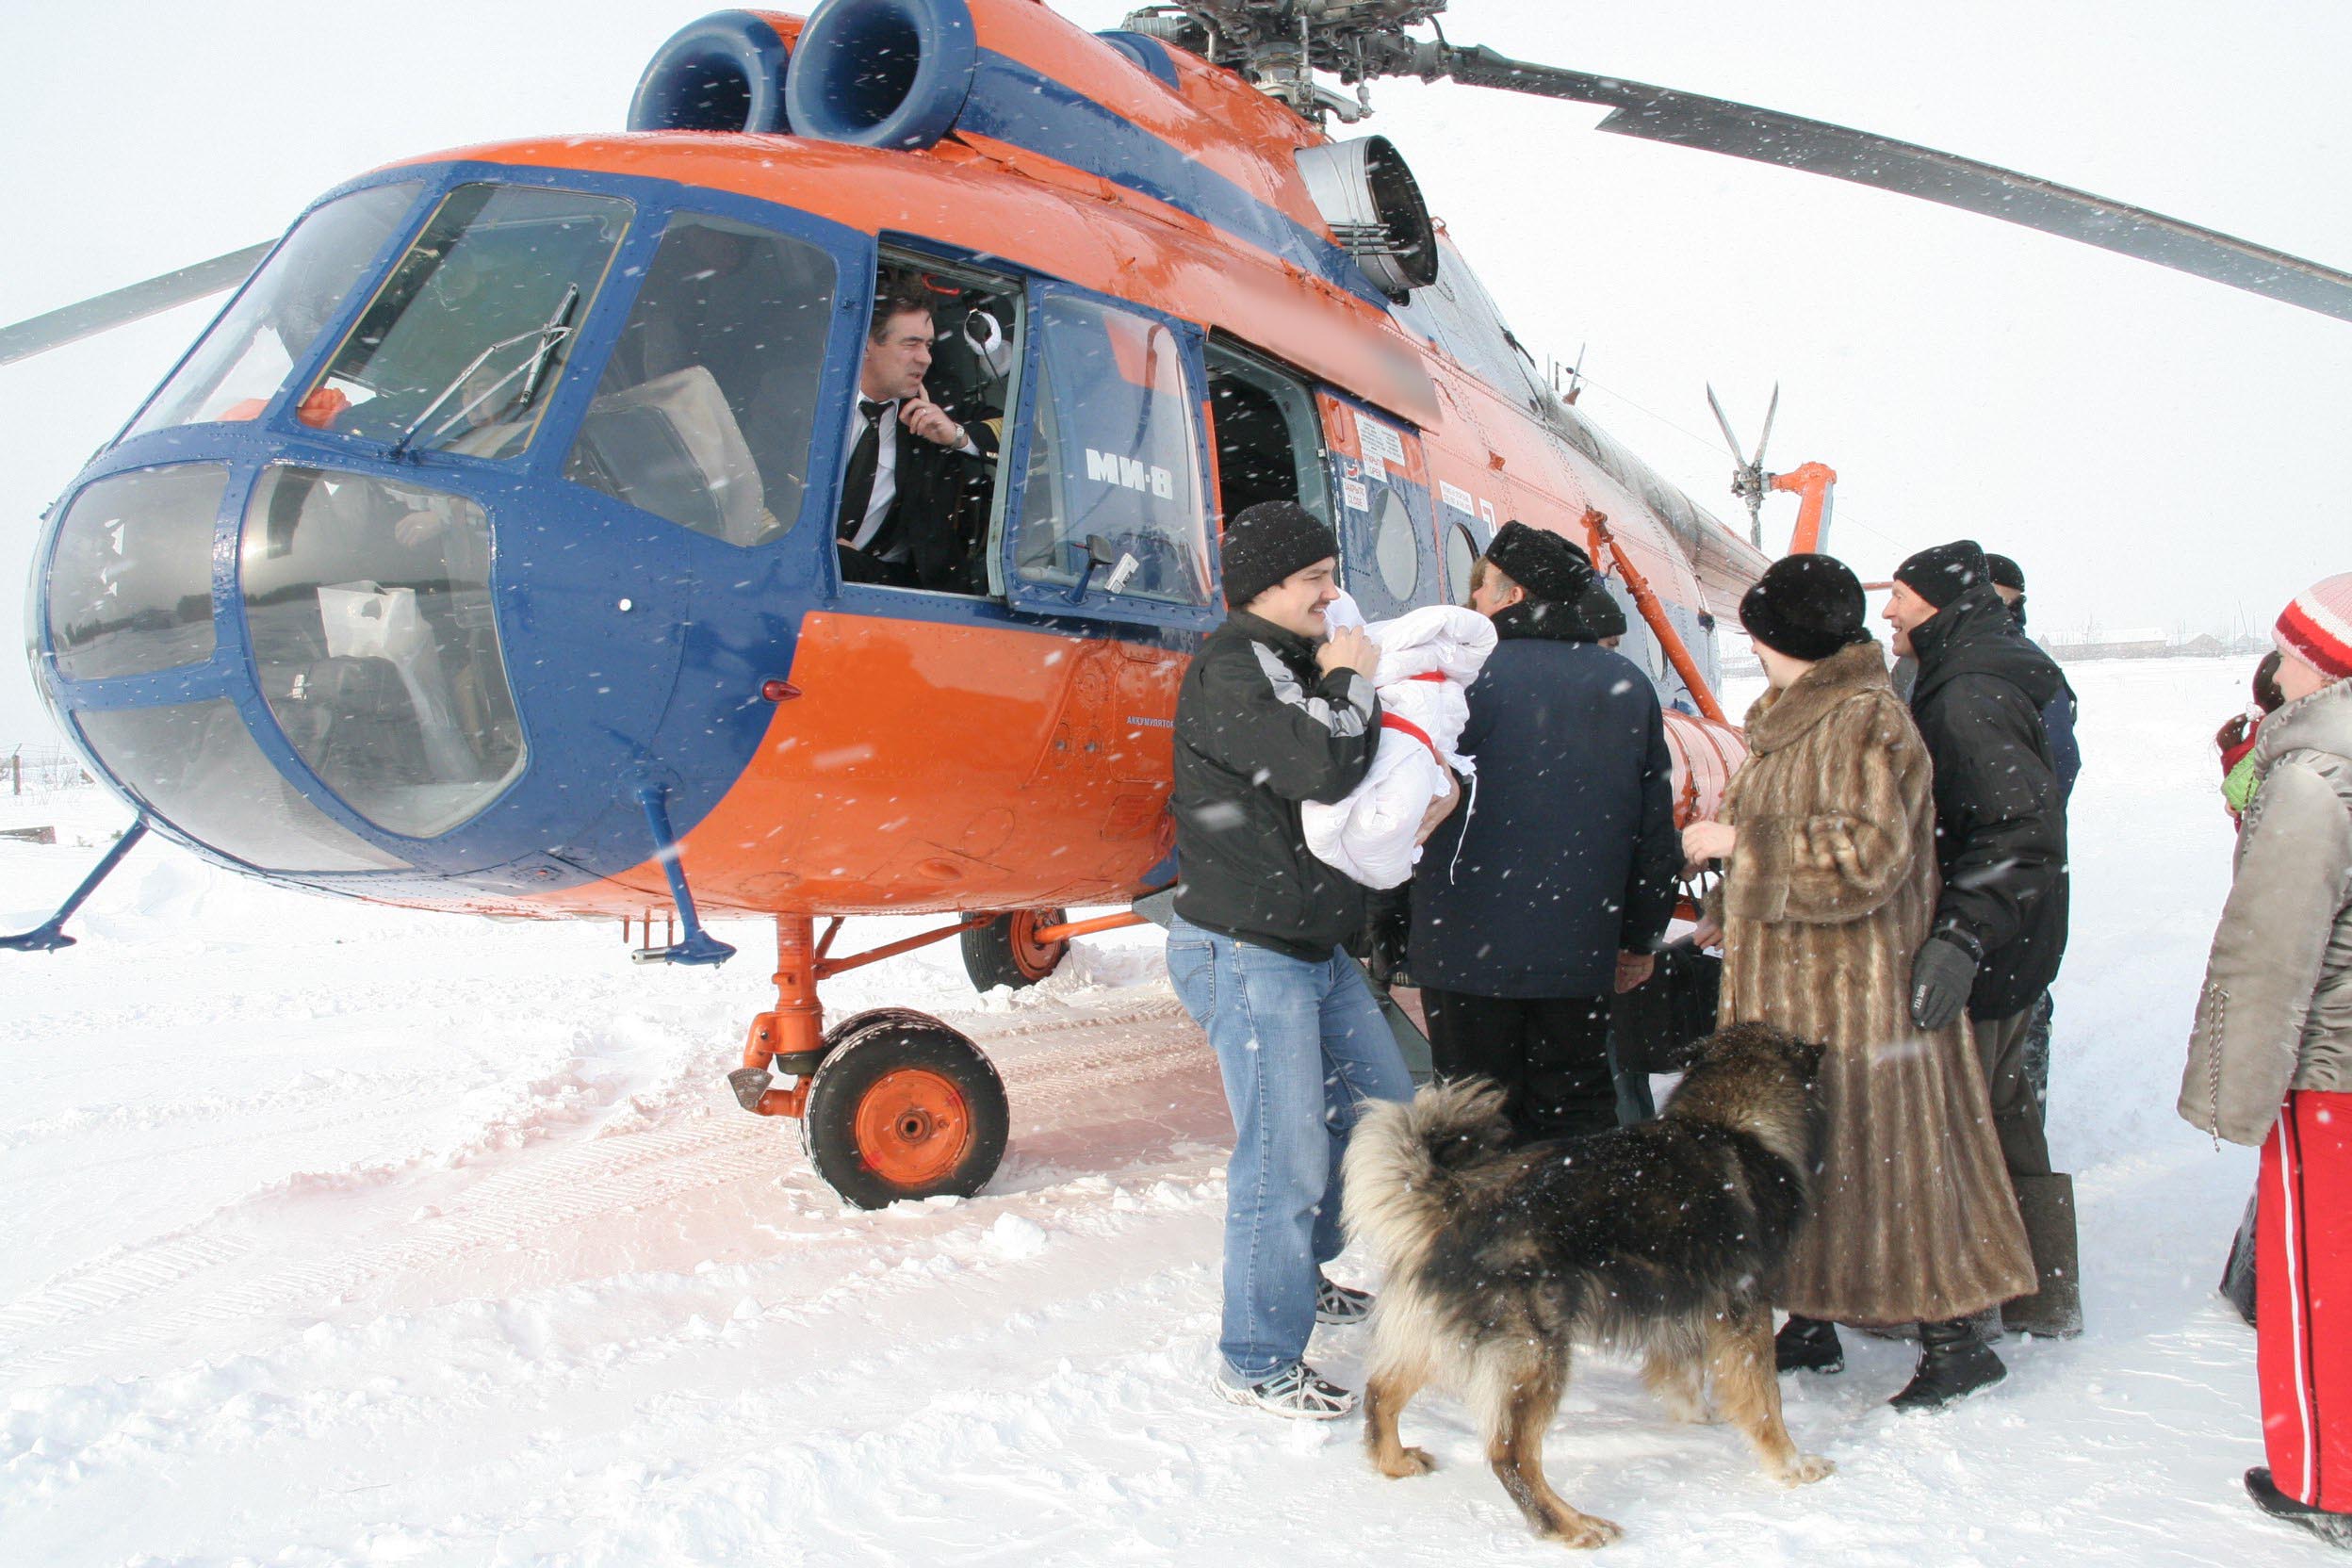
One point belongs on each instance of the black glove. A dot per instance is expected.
(1942, 973)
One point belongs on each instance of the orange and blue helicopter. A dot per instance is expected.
(482, 555)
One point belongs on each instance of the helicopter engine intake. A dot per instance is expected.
(725, 73)
(883, 73)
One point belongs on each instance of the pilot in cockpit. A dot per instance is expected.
(914, 501)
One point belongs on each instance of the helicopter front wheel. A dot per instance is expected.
(909, 1109)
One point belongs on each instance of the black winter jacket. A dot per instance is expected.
(1564, 853)
(2000, 815)
(1260, 729)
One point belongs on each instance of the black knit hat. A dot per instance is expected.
(1807, 607)
(1944, 573)
(1599, 613)
(1551, 570)
(1267, 544)
(2007, 573)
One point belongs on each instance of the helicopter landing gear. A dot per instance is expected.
(1007, 951)
(892, 1103)
(903, 1106)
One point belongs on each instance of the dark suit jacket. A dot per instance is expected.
(941, 513)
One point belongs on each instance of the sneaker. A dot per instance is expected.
(2334, 1529)
(1292, 1391)
(1338, 1304)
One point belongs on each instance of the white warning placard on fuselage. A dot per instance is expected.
(1381, 444)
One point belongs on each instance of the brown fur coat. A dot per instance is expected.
(1828, 892)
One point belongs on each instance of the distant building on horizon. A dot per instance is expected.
(2147, 642)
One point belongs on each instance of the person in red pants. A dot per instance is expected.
(2270, 1061)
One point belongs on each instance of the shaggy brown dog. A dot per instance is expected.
(1655, 1238)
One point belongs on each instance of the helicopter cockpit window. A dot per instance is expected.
(130, 586)
(463, 346)
(200, 769)
(368, 606)
(709, 403)
(240, 364)
(1113, 491)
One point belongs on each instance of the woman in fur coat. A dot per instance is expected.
(1827, 839)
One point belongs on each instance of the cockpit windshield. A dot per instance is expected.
(246, 356)
(468, 336)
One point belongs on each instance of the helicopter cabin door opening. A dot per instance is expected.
(1270, 444)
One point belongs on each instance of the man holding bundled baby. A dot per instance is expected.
(1274, 713)
(1527, 915)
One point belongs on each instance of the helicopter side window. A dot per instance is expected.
(1268, 439)
(246, 356)
(463, 345)
(707, 407)
(1113, 496)
(1462, 554)
(917, 502)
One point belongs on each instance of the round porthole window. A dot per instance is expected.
(1461, 553)
(1394, 548)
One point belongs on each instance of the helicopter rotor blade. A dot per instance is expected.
(1722, 422)
(1758, 461)
(1817, 147)
(122, 306)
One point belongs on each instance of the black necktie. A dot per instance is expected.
(864, 459)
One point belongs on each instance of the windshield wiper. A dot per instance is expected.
(553, 331)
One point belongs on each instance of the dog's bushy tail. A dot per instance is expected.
(1400, 1190)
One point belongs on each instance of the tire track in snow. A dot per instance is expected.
(210, 1276)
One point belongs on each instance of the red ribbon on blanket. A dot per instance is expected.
(1391, 721)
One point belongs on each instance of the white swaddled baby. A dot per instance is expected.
(1428, 659)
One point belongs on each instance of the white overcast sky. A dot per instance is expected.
(2155, 449)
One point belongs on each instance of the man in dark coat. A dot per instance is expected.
(1273, 713)
(2065, 755)
(916, 491)
(1550, 892)
(2001, 842)
(2060, 712)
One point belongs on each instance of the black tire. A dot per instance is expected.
(910, 1109)
(1003, 952)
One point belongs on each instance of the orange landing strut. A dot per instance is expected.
(791, 1037)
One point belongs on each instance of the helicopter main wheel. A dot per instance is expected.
(1007, 952)
(908, 1109)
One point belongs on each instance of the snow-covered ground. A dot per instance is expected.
(331, 1235)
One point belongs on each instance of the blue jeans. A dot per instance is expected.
(1302, 1046)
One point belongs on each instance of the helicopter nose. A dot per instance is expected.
(369, 639)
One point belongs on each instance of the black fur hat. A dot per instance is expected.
(1267, 542)
(1551, 570)
(1944, 573)
(1599, 613)
(1807, 607)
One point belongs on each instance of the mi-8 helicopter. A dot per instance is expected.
(479, 555)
